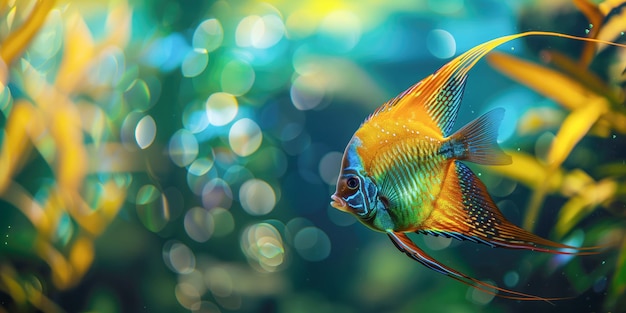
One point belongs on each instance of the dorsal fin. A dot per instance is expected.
(439, 95)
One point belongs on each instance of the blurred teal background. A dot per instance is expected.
(223, 123)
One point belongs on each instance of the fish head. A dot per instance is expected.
(356, 191)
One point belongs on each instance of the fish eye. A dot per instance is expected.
(352, 182)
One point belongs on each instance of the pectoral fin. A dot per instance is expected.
(404, 244)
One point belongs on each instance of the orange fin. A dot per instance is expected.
(404, 244)
(439, 95)
(465, 211)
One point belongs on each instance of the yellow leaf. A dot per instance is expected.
(118, 24)
(575, 182)
(613, 28)
(19, 198)
(10, 285)
(24, 122)
(72, 156)
(595, 18)
(539, 119)
(545, 81)
(584, 203)
(575, 126)
(61, 271)
(113, 201)
(607, 6)
(39, 300)
(569, 215)
(588, 79)
(88, 218)
(81, 256)
(618, 279)
(529, 171)
(4, 75)
(17, 41)
(77, 53)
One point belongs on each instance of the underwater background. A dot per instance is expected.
(176, 156)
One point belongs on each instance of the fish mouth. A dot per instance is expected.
(338, 203)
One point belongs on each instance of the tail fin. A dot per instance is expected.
(479, 139)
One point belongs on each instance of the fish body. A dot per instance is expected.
(408, 160)
(403, 171)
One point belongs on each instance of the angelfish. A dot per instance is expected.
(404, 171)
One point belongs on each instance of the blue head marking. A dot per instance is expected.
(354, 187)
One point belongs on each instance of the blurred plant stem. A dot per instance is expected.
(50, 120)
(596, 108)
(18, 40)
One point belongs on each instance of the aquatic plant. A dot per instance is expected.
(586, 178)
(57, 135)
(178, 155)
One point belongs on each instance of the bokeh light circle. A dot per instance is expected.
(480, 297)
(217, 193)
(441, 43)
(511, 279)
(6, 99)
(199, 224)
(245, 137)
(329, 167)
(312, 244)
(195, 62)
(237, 77)
(195, 118)
(221, 108)
(200, 166)
(224, 221)
(183, 147)
(152, 208)
(187, 295)
(259, 32)
(178, 257)
(257, 197)
(138, 95)
(219, 281)
(208, 35)
(145, 132)
(307, 92)
(263, 246)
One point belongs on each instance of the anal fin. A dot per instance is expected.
(404, 244)
(465, 211)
